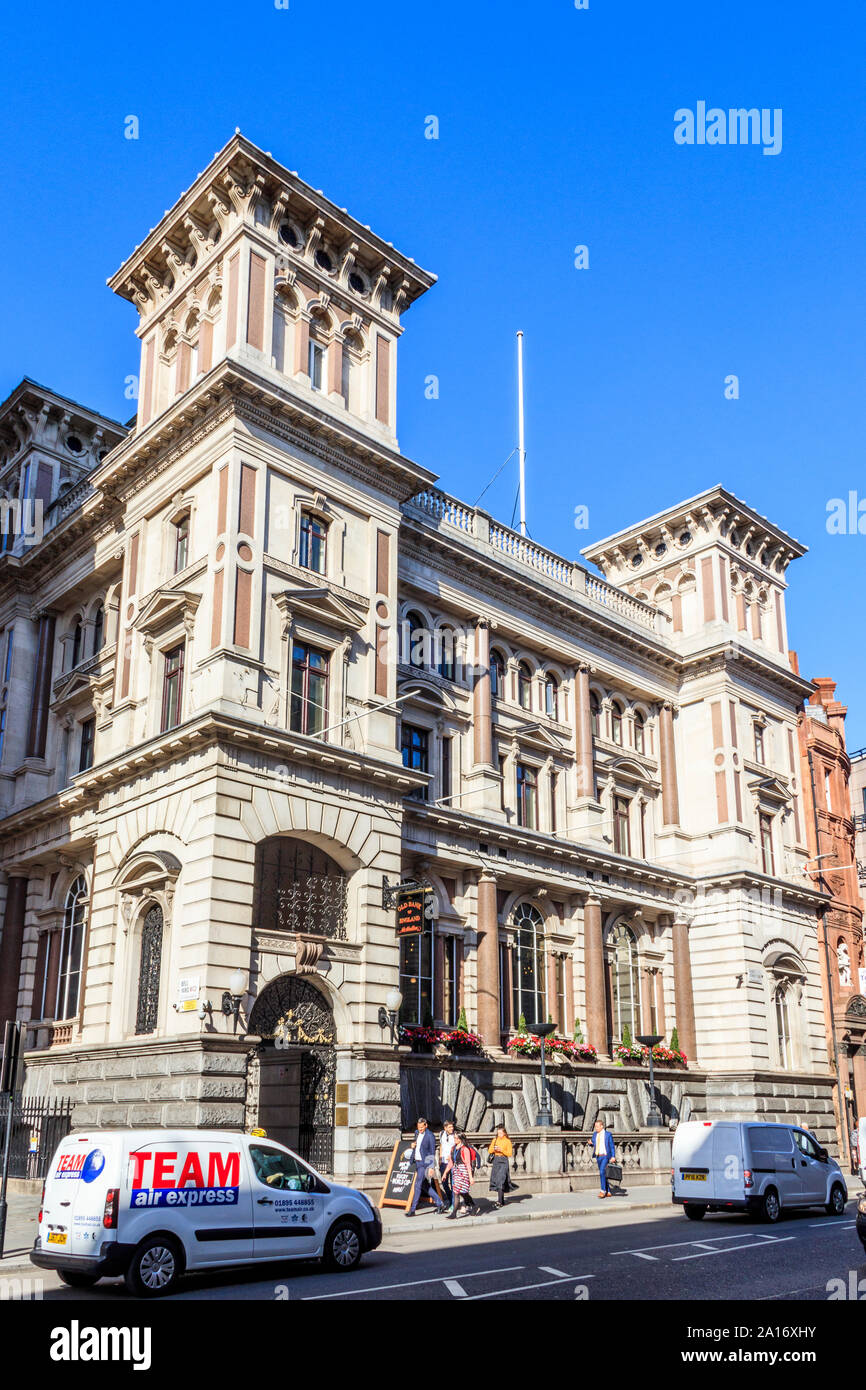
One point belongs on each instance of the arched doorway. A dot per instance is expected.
(297, 1064)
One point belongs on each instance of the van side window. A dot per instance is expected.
(278, 1169)
(806, 1144)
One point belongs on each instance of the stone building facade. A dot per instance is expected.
(258, 669)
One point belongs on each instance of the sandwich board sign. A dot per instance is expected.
(400, 1178)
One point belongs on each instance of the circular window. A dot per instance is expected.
(636, 560)
(323, 261)
(288, 235)
(74, 444)
(357, 283)
(685, 537)
(661, 549)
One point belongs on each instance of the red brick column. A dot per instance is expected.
(670, 794)
(11, 943)
(683, 994)
(593, 956)
(487, 960)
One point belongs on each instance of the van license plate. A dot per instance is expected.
(694, 1177)
(56, 1237)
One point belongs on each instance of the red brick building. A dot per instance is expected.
(826, 770)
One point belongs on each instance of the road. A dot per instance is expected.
(604, 1256)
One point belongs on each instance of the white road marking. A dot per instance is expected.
(638, 1253)
(678, 1244)
(525, 1288)
(833, 1226)
(412, 1283)
(453, 1287)
(730, 1249)
(560, 1274)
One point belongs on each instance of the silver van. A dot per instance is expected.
(748, 1165)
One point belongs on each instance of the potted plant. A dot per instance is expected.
(421, 1038)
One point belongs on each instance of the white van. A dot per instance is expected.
(733, 1165)
(151, 1204)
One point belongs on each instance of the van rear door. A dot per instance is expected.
(692, 1161)
(729, 1179)
(83, 1172)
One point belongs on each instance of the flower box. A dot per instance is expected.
(636, 1055)
(527, 1045)
(460, 1040)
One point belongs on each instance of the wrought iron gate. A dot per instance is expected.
(316, 1135)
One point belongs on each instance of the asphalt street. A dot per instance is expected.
(605, 1256)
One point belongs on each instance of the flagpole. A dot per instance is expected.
(520, 434)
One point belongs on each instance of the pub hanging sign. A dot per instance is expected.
(414, 911)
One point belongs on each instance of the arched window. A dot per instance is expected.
(446, 642)
(72, 949)
(781, 1003)
(76, 643)
(616, 721)
(624, 982)
(551, 697)
(98, 629)
(594, 714)
(786, 977)
(417, 640)
(530, 979)
(639, 732)
(524, 685)
(150, 967)
(497, 673)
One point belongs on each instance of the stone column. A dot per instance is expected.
(593, 956)
(684, 1002)
(583, 734)
(482, 722)
(646, 999)
(487, 960)
(670, 795)
(11, 943)
(41, 698)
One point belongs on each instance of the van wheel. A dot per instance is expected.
(836, 1204)
(343, 1246)
(771, 1207)
(155, 1267)
(76, 1279)
(696, 1213)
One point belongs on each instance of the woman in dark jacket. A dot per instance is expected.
(500, 1151)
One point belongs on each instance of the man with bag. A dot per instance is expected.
(603, 1152)
(423, 1153)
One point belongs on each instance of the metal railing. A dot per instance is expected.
(38, 1125)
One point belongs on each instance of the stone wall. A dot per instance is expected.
(784, 1097)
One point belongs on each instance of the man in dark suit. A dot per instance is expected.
(423, 1152)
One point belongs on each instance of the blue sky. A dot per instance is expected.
(556, 129)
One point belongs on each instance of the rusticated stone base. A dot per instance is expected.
(786, 1097)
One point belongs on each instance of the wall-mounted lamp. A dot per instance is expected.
(388, 1013)
(231, 1003)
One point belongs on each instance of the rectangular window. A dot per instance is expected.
(172, 688)
(316, 364)
(562, 1022)
(314, 537)
(416, 977)
(7, 662)
(554, 781)
(415, 750)
(828, 796)
(85, 757)
(181, 544)
(345, 377)
(309, 703)
(643, 839)
(621, 831)
(446, 768)
(501, 761)
(2, 731)
(759, 744)
(451, 981)
(527, 796)
(768, 862)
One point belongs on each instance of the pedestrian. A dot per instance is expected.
(446, 1144)
(603, 1152)
(423, 1153)
(500, 1151)
(460, 1170)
